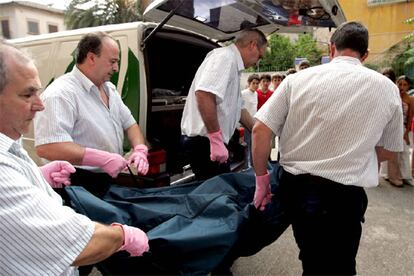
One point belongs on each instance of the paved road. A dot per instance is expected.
(387, 243)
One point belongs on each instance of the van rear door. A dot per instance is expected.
(223, 19)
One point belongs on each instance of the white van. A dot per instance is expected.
(158, 62)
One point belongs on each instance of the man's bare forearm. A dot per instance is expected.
(207, 106)
(246, 119)
(68, 151)
(106, 240)
(261, 136)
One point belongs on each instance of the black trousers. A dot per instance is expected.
(326, 218)
(197, 150)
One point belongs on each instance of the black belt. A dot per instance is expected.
(310, 179)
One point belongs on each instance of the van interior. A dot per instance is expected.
(172, 59)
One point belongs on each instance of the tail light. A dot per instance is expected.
(157, 161)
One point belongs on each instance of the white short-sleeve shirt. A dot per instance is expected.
(38, 236)
(249, 101)
(74, 112)
(219, 74)
(331, 117)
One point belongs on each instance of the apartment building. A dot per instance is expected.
(23, 18)
(384, 20)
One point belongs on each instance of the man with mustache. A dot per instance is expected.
(214, 104)
(85, 119)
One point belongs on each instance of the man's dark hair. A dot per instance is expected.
(389, 73)
(253, 77)
(351, 35)
(89, 43)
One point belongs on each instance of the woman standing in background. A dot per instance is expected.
(399, 171)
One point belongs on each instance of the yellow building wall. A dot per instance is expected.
(385, 22)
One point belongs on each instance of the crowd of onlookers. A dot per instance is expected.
(400, 171)
(261, 87)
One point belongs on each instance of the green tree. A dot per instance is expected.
(410, 21)
(281, 52)
(280, 55)
(89, 13)
(403, 64)
(409, 53)
(306, 46)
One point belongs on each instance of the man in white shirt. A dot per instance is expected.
(85, 119)
(249, 97)
(333, 128)
(39, 236)
(214, 105)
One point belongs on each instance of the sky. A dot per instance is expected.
(59, 4)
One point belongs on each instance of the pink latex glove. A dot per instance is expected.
(218, 151)
(57, 173)
(111, 163)
(139, 158)
(135, 240)
(262, 194)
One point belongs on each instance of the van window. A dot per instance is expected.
(226, 15)
(230, 16)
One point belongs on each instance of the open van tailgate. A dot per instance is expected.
(223, 19)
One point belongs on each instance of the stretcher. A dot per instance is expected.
(193, 228)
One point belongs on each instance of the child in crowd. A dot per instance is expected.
(263, 93)
(276, 80)
(249, 96)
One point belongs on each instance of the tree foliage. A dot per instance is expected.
(280, 55)
(89, 13)
(307, 47)
(282, 52)
(404, 63)
(410, 21)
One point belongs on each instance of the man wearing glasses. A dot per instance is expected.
(214, 104)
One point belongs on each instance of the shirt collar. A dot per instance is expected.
(6, 143)
(84, 80)
(347, 59)
(240, 63)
